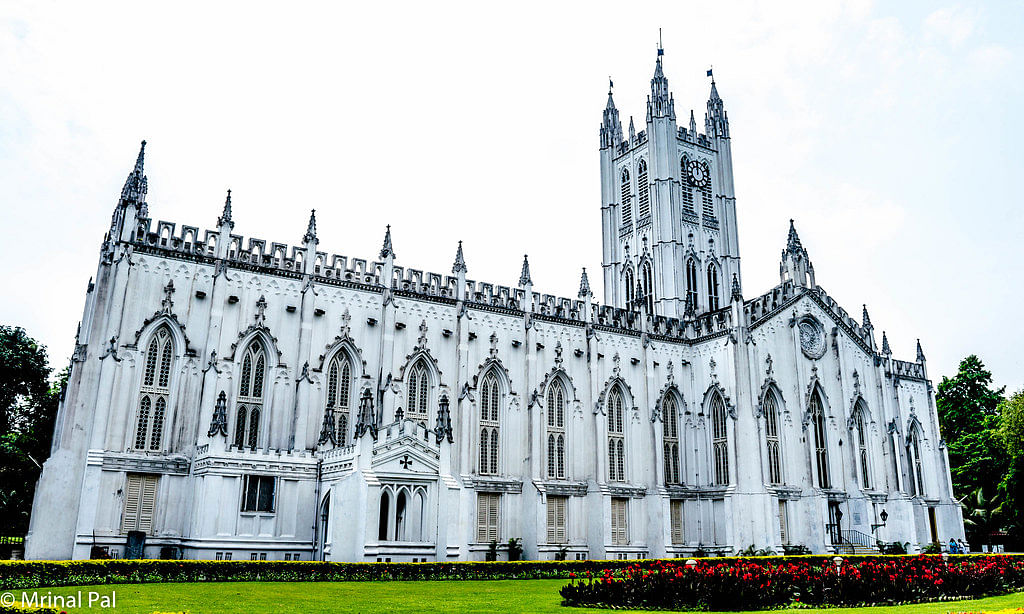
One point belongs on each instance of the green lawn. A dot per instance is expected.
(505, 596)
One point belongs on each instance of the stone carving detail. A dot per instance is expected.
(812, 337)
(219, 424)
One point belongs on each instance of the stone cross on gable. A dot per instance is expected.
(261, 310)
(346, 319)
(558, 354)
(494, 344)
(167, 303)
(615, 360)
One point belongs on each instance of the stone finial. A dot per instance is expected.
(920, 352)
(219, 423)
(693, 123)
(136, 186)
(460, 262)
(225, 216)
(865, 318)
(885, 345)
(737, 294)
(524, 277)
(793, 241)
(310, 236)
(387, 251)
(584, 284)
(690, 310)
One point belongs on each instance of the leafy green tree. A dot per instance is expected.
(1011, 488)
(968, 408)
(28, 409)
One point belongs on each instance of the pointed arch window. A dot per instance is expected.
(627, 280)
(556, 430)
(627, 207)
(647, 286)
(772, 440)
(616, 437)
(339, 395)
(862, 444)
(820, 441)
(713, 300)
(719, 440)
(643, 189)
(250, 396)
(490, 404)
(670, 438)
(914, 456)
(419, 392)
(691, 282)
(684, 173)
(705, 192)
(155, 391)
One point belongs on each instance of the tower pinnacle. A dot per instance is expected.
(310, 236)
(660, 104)
(796, 265)
(584, 284)
(524, 277)
(611, 127)
(225, 216)
(387, 251)
(136, 186)
(460, 262)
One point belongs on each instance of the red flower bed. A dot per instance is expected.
(743, 584)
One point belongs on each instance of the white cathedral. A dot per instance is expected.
(234, 398)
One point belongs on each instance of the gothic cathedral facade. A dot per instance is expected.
(234, 398)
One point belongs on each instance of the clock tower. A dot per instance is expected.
(668, 207)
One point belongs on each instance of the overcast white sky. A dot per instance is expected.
(891, 133)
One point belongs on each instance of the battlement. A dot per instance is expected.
(910, 370)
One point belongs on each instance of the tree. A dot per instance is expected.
(28, 409)
(968, 409)
(982, 516)
(1011, 488)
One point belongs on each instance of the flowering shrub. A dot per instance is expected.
(744, 584)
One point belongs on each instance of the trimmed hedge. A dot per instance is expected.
(743, 584)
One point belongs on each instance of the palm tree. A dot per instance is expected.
(982, 516)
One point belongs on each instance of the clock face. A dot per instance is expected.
(698, 176)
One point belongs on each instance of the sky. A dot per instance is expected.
(890, 132)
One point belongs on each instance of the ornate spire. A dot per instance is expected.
(310, 236)
(660, 104)
(737, 294)
(793, 241)
(460, 262)
(885, 345)
(693, 125)
(865, 319)
(717, 117)
(584, 284)
(524, 277)
(796, 265)
(136, 186)
(920, 352)
(225, 216)
(611, 127)
(387, 251)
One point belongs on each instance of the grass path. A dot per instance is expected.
(504, 596)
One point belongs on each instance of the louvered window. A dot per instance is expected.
(684, 174)
(557, 533)
(250, 396)
(556, 430)
(627, 283)
(620, 521)
(139, 503)
(643, 189)
(705, 193)
(713, 302)
(783, 522)
(490, 401)
(691, 283)
(774, 451)
(675, 510)
(487, 510)
(616, 438)
(627, 206)
(419, 393)
(820, 441)
(155, 391)
(339, 395)
(719, 440)
(647, 285)
(670, 437)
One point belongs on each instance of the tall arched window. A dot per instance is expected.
(820, 441)
(556, 430)
(647, 285)
(627, 206)
(670, 438)
(862, 444)
(419, 392)
(627, 281)
(705, 191)
(684, 175)
(490, 402)
(155, 390)
(691, 282)
(643, 189)
(339, 394)
(719, 440)
(771, 431)
(713, 302)
(914, 457)
(250, 396)
(616, 437)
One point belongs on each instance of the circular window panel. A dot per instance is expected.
(812, 338)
